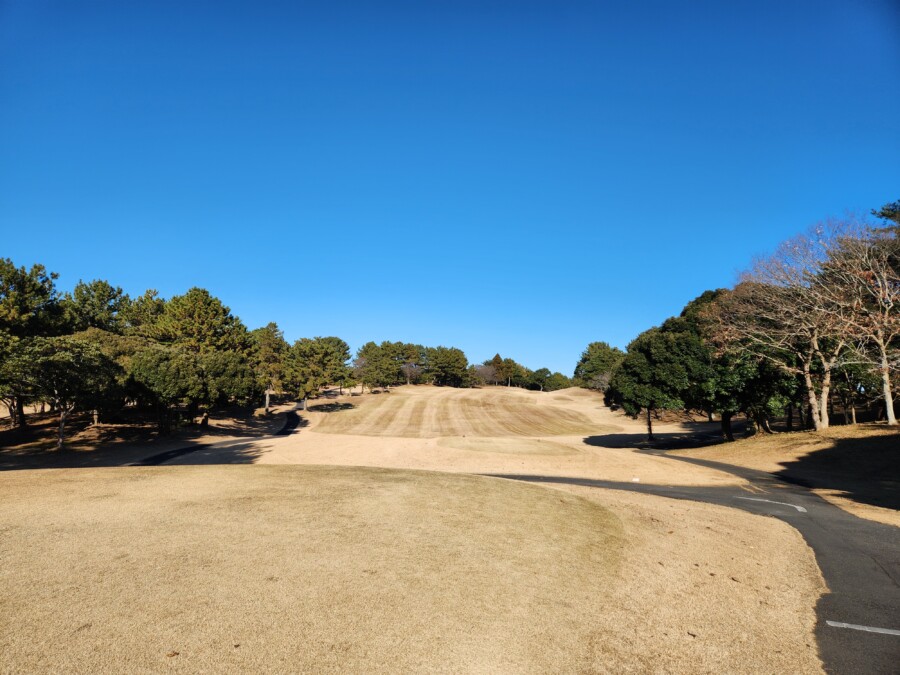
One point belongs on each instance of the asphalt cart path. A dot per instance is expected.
(858, 629)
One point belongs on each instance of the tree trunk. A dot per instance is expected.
(21, 422)
(727, 434)
(824, 399)
(853, 412)
(162, 419)
(886, 387)
(761, 422)
(268, 391)
(790, 417)
(649, 426)
(63, 413)
(815, 411)
(709, 416)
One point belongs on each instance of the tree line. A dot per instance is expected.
(814, 323)
(97, 349)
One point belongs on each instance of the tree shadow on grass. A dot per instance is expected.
(237, 452)
(124, 446)
(865, 470)
(695, 435)
(331, 407)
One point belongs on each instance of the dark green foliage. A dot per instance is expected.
(659, 372)
(889, 212)
(377, 365)
(412, 361)
(543, 380)
(171, 376)
(268, 352)
(168, 376)
(557, 381)
(95, 305)
(200, 323)
(228, 378)
(509, 372)
(141, 315)
(29, 303)
(69, 372)
(314, 363)
(446, 366)
(597, 365)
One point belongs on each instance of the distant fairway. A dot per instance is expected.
(432, 412)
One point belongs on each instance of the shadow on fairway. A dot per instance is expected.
(866, 470)
(331, 407)
(696, 435)
(240, 452)
(118, 453)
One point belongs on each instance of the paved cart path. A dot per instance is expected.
(858, 628)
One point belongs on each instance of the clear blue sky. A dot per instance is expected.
(514, 177)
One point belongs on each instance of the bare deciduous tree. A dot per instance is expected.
(783, 311)
(861, 277)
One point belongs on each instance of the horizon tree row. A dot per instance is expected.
(99, 350)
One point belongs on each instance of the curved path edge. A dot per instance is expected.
(859, 560)
(291, 420)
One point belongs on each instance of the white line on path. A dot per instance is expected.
(755, 499)
(868, 629)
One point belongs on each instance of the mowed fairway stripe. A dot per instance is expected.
(389, 413)
(480, 417)
(430, 427)
(436, 412)
(404, 416)
(414, 420)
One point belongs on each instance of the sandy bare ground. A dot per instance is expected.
(336, 569)
(566, 433)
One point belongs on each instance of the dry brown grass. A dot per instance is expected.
(432, 412)
(356, 433)
(323, 569)
(855, 467)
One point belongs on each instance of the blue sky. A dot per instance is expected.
(513, 177)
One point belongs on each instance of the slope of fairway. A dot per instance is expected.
(295, 569)
(431, 412)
